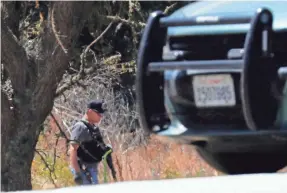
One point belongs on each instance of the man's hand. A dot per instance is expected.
(108, 148)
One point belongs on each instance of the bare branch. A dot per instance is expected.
(117, 19)
(48, 167)
(82, 71)
(68, 85)
(59, 127)
(55, 154)
(65, 108)
(83, 59)
(55, 32)
(170, 8)
(99, 37)
(42, 152)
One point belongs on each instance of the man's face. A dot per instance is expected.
(94, 116)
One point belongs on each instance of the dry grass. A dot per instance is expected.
(159, 160)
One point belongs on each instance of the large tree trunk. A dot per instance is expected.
(35, 69)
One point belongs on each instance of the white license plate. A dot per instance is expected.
(213, 90)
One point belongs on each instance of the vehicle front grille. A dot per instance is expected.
(206, 47)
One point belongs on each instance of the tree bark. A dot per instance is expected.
(34, 74)
(11, 14)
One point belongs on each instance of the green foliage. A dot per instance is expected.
(34, 29)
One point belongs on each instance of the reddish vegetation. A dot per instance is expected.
(160, 159)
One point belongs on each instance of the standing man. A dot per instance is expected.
(87, 146)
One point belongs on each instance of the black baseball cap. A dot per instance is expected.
(96, 105)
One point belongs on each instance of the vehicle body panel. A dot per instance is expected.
(227, 8)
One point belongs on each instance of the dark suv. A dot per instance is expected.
(214, 75)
